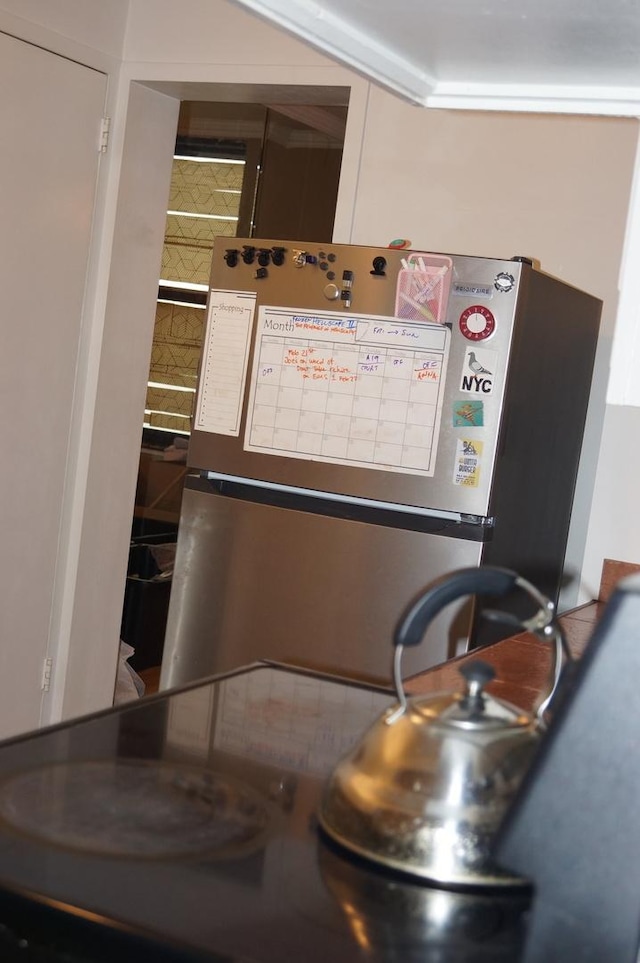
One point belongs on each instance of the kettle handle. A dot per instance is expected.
(465, 581)
(484, 580)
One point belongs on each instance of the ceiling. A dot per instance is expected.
(581, 56)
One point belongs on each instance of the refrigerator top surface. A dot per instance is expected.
(189, 819)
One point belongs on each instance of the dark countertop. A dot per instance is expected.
(183, 828)
(273, 734)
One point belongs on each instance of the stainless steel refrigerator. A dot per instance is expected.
(366, 420)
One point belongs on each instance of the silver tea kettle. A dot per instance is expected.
(426, 789)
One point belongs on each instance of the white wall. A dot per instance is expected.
(92, 24)
(614, 528)
(209, 32)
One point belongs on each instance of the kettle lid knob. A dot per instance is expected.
(477, 674)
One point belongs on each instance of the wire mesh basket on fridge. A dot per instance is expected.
(423, 288)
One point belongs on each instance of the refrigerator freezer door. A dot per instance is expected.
(254, 581)
(356, 397)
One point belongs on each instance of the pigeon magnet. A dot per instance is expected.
(478, 371)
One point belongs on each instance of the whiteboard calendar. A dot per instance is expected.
(347, 389)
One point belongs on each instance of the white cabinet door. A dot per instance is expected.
(50, 114)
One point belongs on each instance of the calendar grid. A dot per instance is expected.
(338, 396)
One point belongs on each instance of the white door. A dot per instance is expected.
(50, 114)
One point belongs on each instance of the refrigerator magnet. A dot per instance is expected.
(468, 413)
(477, 323)
(467, 463)
(478, 371)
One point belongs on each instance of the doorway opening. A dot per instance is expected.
(241, 169)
